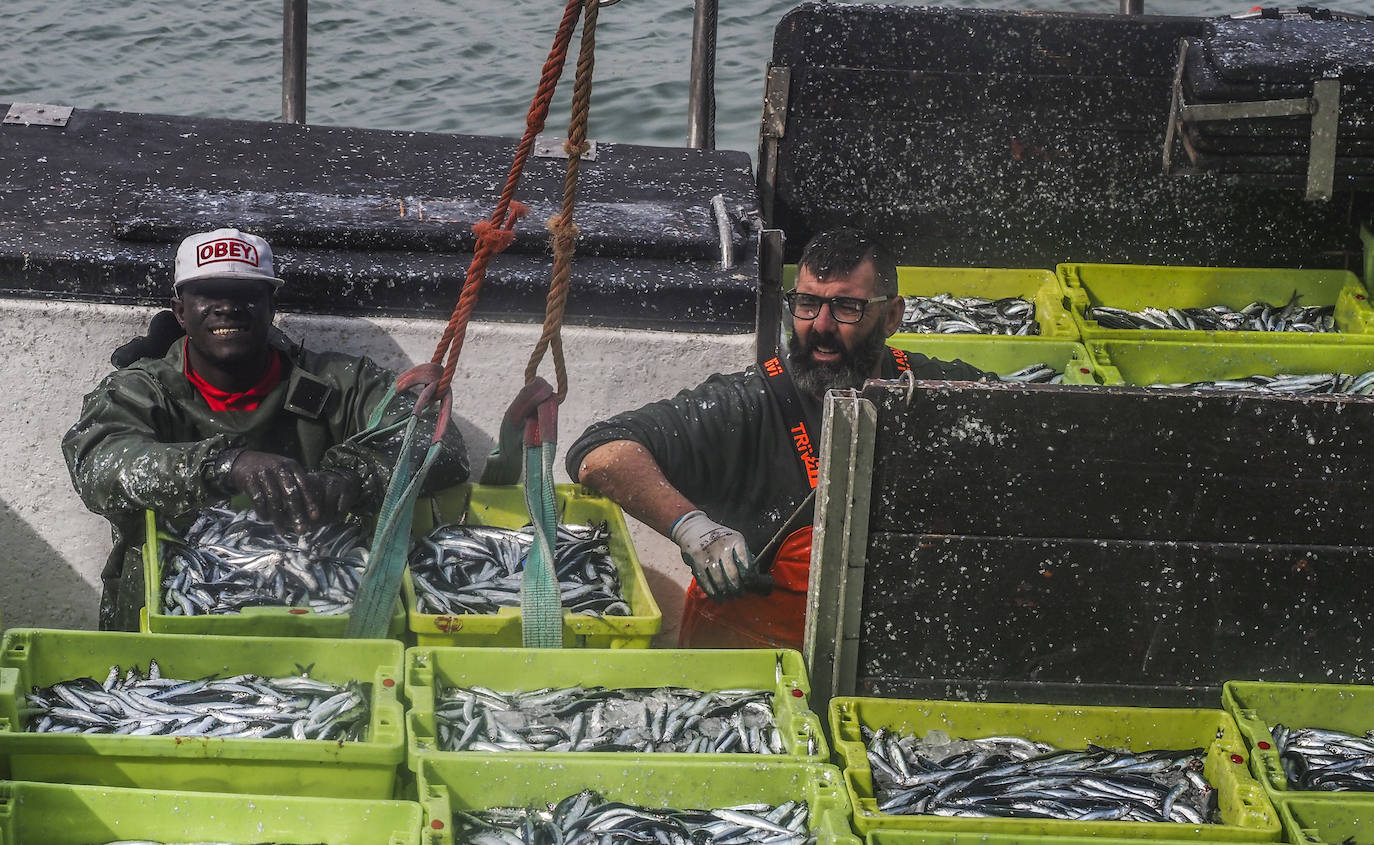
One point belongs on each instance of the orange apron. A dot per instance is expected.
(776, 620)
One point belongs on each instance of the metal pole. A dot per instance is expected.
(701, 99)
(293, 61)
(1132, 7)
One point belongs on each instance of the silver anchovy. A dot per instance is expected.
(478, 569)
(600, 719)
(229, 560)
(1038, 373)
(588, 818)
(1014, 777)
(1326, 760)
(1258, 316)
(242, 706)
(945, 313)
(1332, 383)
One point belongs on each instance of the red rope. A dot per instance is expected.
(496, 234)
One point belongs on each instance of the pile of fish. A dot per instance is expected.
(478, 569)
(1040, 373)
(1342, 383)
(1256, 317)
(589, 818)
(229, 560)
(600, 719)
(147, 704)
(1013, 777)
(1326, 760)
(945, 313)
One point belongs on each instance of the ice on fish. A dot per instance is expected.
(595, 718)
(1258, 316)
(1015, 777)
(1325, 760)
(945, 313)
(479, 569)
(589, 817)
(231, 559)
(243, 706)
(1343, 384)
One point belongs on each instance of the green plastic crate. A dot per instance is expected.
(508, 780)
(1257, 706)
(504, 507)
(955, 837)
(1001, 355)
(1309, 822)
(509, 670)
(324, 768)
(61, 814)
(1135, 286)
(1145, 362)
(1041, 287)
(263, 621)
(1246, 812)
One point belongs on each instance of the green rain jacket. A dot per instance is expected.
(147, 440)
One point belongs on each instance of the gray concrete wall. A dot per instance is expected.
(52, 353)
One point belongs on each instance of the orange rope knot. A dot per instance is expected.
(493, 239)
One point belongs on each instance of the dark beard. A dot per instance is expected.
(854, 367)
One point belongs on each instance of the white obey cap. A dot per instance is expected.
(224, 254)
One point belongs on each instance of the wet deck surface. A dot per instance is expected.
(368, 221)
(982, 138)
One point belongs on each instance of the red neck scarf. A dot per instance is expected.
(248, 400)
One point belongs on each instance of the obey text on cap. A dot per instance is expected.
(226, 249)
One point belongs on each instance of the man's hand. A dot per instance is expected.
(286, 494)
(339, 491)
(718, 556)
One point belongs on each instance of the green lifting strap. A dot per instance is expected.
(541, 602)
(381, 583)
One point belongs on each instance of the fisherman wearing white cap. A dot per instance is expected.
(233, 408)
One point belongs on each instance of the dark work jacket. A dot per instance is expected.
(146, 439)
(726, 446)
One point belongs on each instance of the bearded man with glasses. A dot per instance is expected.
(724, 468)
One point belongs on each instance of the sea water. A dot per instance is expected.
(466, 66)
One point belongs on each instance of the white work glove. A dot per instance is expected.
(718, 556)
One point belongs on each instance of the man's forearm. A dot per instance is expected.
(626, 473)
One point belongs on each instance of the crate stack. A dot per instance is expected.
(1053, 341)
(1309, 816)
(90, 788)
(1145, 357)
(1070, 341)
(470, 504)
(459, 781)
(1256, 801)
(1245, 813)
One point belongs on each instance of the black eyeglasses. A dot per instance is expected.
(845, 309)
